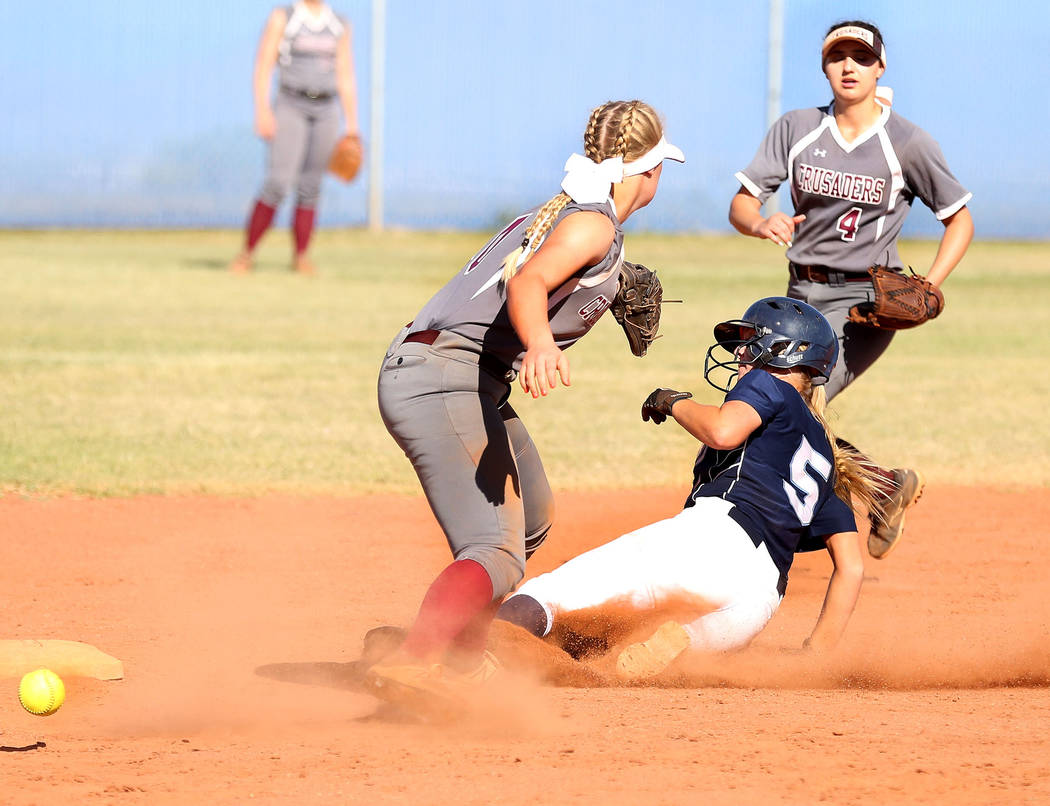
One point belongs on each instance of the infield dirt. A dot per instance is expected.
(238, 621)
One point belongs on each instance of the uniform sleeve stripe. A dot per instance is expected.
(802, 145)
(953, 209)
(896, 172)
(752, 188)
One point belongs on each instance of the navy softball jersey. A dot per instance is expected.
(781, 481)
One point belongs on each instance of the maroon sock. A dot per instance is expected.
(258, 222)
(458, 596)
(303, 228)
(473, 638)
(886, 483)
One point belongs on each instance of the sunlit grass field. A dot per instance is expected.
(132, 362)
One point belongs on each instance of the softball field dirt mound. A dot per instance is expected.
(238, 622)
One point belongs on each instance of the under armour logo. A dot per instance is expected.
(820, 152)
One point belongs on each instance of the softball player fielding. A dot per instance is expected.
(854, 168)
(536, 288)
(311, 45)
(768, 482)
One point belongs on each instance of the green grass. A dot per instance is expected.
(131, 362)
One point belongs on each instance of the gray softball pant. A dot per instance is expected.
(859, 345)
(307, 131)
(478, 466)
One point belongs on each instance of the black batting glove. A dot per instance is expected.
(657, 407)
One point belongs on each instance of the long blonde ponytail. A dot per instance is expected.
(856, 480)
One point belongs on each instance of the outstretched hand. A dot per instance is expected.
(657, 407)
(541, 368)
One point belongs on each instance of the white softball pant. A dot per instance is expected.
(700, 552)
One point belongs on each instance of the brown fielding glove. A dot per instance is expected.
(346, 158)
(657, 407)
(900, 301)
(636, 307)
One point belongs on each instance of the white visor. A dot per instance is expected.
(855, 33)
(588, 182)
(653, 157)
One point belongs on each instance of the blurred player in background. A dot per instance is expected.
(854, 168)
(768, 482)
(311, 46)
(534, 290)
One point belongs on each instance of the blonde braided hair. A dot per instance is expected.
(626, 129)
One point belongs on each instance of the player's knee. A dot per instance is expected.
(308, 194)
(527, 613)
(273, 192)
(504, 568)
(733, 628)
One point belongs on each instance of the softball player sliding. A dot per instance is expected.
(766, 483)
(854, 168)
(532, 291)
(311, 45)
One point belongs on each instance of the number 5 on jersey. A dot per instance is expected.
(803, 491)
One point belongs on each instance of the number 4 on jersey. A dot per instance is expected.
(849, 223)
(803, 491)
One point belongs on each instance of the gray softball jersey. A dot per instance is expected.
(855, 195)
(474, 303)
(474, 457)
(307, 51)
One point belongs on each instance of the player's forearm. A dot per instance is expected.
(262, 78)
(958, 232)
(839, 603)
(348, 100)
(261, 93)
(527, 308)
(707, 423)
(745, 214)
(346, 82)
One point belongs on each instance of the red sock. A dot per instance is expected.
(460, 594)
(258, 222)
(303, 228)
(473, 638)
(886, 483)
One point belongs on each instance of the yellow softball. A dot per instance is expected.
(41, 692)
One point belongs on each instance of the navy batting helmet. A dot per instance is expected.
(775, 332)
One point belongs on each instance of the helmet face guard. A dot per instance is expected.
(774, 332)
(720, 371)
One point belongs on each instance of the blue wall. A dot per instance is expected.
(124, 113)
